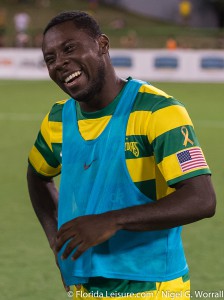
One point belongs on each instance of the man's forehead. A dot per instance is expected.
(61, 33)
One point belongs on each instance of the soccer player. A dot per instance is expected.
(132, 173)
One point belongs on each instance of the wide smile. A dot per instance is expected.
(71, 79)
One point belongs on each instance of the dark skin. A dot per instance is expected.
(44, 198)
(68, 50)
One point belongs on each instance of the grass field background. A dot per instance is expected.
(27, 265)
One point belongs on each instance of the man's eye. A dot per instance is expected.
(49, 60)
(69, 48)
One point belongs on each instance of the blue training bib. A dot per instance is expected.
(95, 180)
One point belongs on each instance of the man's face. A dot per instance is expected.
(74, 60)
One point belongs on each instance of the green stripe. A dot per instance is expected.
(166, 103)
(45, 151)
(137, 146)
(186, 277)
(171, 142)
(145, 149)
(151, 102)
(57, 147)
(146, 101)
(189, 175)
(106, 286)
(147, 187)
(55, 114)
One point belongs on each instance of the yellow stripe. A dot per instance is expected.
(171, 169)
(61, 101)
(150, 89)
(162, 189)
(91, 128)
(40, 164)
(141, 169)
(55, 132)
(45, 131)
(166, 119)
(138, 123)
(52, 131)
(166, 290)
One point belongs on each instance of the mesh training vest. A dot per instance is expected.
(94, 180)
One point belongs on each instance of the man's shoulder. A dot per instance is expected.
(151, 98)
(55, 114)
(150, 89)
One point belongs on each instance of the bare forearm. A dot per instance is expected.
(193, 200)
(44, 197)
(188, 204)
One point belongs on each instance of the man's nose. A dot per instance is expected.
(61, 62)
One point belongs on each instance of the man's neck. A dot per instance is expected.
(105, 97)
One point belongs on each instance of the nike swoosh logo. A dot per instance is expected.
(86, 167)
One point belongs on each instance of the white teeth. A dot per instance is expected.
(76, 74)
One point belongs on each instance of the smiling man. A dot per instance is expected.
(132, 173)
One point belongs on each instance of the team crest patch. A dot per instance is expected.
(191, 159)
(133, 147)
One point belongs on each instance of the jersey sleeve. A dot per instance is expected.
(41, 156)
(177, 151)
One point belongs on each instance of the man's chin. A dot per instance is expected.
(80, 98)
(84, 97)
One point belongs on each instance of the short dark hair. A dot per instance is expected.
(80, 19)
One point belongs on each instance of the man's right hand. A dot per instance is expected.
(66, 287)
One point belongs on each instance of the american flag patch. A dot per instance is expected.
(191, 159)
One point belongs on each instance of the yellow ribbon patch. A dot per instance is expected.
(185, 133)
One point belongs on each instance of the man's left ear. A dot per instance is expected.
(104, 43)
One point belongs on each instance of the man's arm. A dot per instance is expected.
(44, 198)
(194, 199)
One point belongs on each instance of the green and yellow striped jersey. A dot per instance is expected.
(158, 132)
